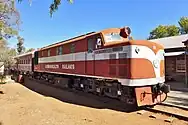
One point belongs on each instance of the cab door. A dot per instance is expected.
(90, 57)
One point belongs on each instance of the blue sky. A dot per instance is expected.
(83, 16)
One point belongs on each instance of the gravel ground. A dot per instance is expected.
(19, 105)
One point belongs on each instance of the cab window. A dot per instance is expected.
(90, 45)
(112, 37)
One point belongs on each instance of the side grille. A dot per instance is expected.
(122, 58)
(123, 70)
(112, 70)
(112, 59)
(118, 67)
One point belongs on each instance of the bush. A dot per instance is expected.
(2, 78)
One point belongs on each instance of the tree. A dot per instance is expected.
(164, 31)
(20, 47)
(3, 43)
(173, 30)
(183, 22)
(54, 6)
(30, 50)
(9, 19)
(9, 23)
(7, 54)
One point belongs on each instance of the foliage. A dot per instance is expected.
(30, 50)
(20, 47)
(9, 19)
(9, 27)
(54, 5)
(6, 56)
(170, 30)
(183, 22)
(173, 30)
(3, 43)
(2, 78)
(164, 31)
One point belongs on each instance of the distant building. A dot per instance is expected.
(174, 56)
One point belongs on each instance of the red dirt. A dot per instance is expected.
(21, 106)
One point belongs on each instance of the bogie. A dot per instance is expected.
(100, 87)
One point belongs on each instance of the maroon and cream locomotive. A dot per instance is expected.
(107, 63)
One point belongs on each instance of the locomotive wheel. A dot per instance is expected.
(100, 92)
(86, 88)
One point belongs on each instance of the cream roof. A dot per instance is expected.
(172, 42)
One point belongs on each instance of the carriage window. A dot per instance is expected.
(42, 53)
(72, 48)
(49, 52)
(59, 50)
(112, 37)
(90, 45)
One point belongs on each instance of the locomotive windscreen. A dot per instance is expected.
(117, 35)
(112, 37)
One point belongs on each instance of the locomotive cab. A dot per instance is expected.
(114, 36)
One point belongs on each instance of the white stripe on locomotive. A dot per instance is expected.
(132, 51)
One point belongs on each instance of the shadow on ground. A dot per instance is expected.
(78, 98)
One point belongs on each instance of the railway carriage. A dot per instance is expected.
(24, 64)
(108, 63)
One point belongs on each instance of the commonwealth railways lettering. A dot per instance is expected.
(51, 66)
(67, 66)
(63, 66)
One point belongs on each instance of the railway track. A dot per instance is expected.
(167, 110)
